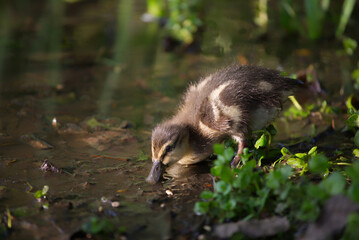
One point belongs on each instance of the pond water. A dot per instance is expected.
(103, 74)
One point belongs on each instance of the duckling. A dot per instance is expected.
(231, 102)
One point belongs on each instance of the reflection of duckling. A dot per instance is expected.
(230, 102)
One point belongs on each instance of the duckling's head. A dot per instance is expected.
(170, 143)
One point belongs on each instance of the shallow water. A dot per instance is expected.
(97, 61)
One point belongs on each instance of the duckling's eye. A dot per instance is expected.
(168, 149)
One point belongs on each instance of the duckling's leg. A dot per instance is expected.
(241, 144)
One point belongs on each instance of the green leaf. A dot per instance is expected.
(296, 163)
(273, 179)
(207, 195)
(227, 174)
(218, 149)
(353, 171)
(301, 155)
(318, 163)
(45, 189)
(201, 208)
(217, 170)
(229, 153)
(229, 205)
(353, 120)
(356, 152)
(334, 184)
(285, 151)
(348, 102)
(313, 150)
(221, 160)
(261, 142)
(223, 187)
(38, 194)
(356, 138)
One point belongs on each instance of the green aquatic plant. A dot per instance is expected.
(312, 24)
(42, 193)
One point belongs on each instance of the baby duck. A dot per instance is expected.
(228, 103)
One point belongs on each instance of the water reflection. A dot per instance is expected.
(120, 54)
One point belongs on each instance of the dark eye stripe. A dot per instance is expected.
(175, 142)
(169, 148)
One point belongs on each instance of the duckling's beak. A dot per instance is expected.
(156, 172)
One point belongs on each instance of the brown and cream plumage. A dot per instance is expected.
(228, 103)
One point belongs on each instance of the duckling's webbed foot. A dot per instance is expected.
(237, 158)
(235, 161)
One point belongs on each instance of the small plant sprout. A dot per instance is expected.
(41, 196)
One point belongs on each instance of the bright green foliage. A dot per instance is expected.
(356, 152)
(300, 160)
(41, 193)
(245, 192)
(295, 113)
(353, 120)
(348, 103)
